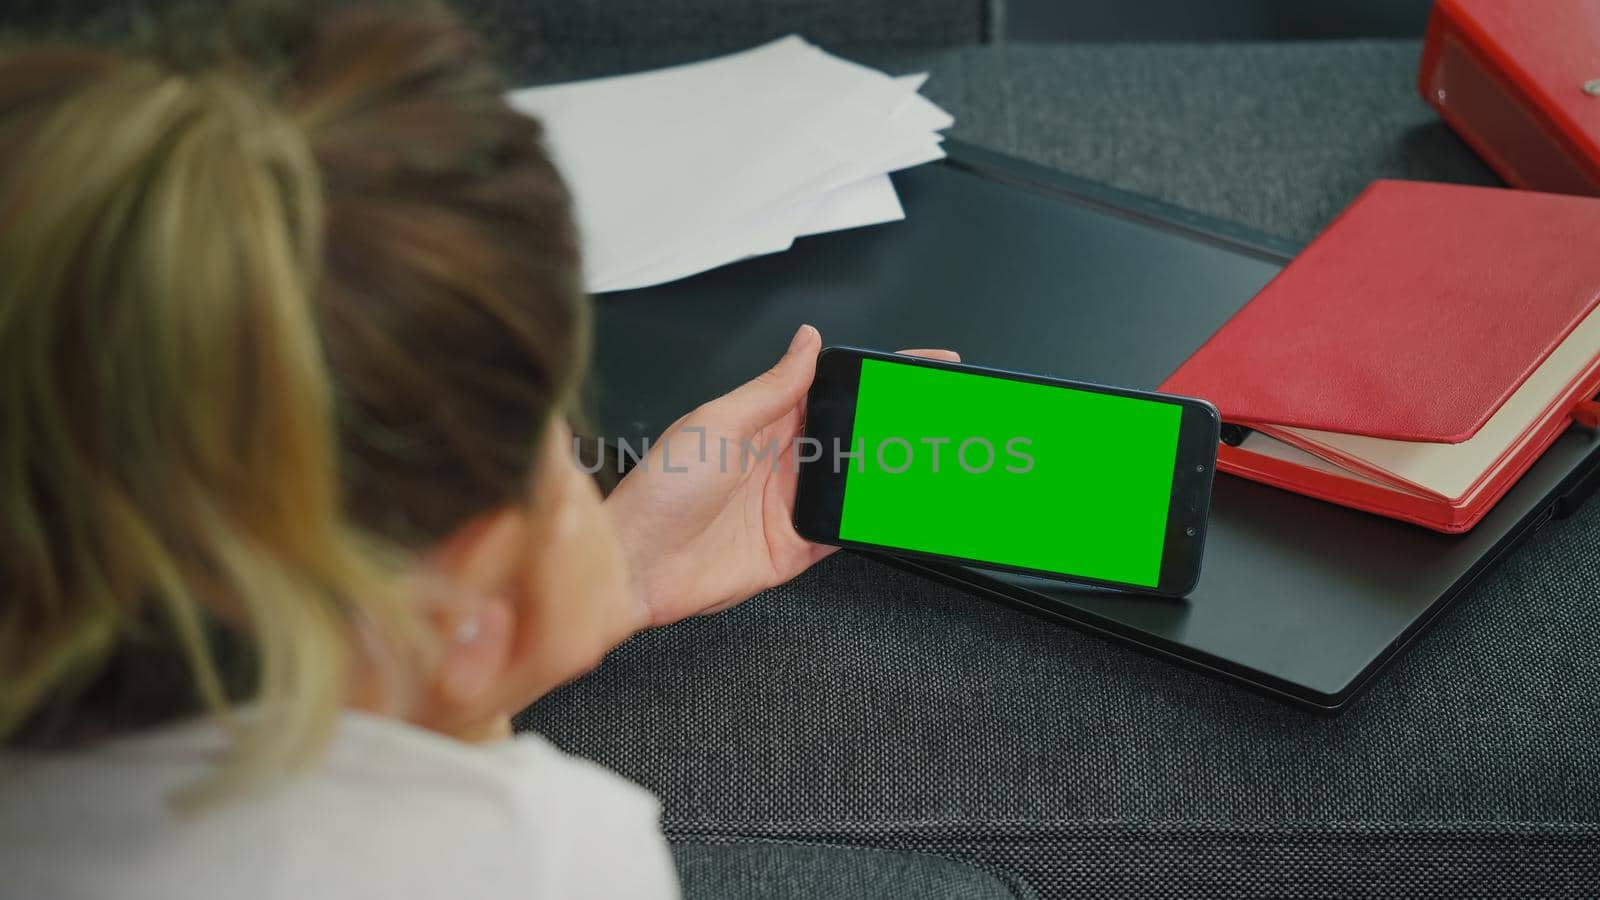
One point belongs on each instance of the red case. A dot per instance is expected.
(1413, 317)
(1519, 80)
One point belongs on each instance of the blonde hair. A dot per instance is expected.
(232, 305)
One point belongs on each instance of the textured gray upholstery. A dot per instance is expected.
(860, 705)
(741, 868)
(587, 25)
(1276, 136)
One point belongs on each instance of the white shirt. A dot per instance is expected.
(393, 812)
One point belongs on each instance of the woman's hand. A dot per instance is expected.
(705, 521)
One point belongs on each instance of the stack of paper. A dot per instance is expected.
(685, 169)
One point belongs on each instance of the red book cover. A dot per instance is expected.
(1418, 356)
(1519, 80)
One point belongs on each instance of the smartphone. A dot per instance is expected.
(1008, 471)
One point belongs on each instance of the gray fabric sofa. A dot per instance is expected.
(863, 707)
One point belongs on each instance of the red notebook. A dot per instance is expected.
(1418, 356)
(1520, 81)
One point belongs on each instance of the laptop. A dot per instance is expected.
(1022, 268)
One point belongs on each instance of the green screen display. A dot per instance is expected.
(1010, 472)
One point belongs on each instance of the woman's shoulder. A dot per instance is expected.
(527, 769)
(507, 816)
(578, 826)
(392, 811)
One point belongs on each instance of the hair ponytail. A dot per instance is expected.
(169, 456)
(275, 315)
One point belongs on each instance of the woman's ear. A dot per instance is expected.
(522, 600)
(471, 606)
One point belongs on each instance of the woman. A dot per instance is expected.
(290, 524)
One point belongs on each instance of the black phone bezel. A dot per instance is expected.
(830, 421)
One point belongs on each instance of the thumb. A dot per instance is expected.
(776, 391)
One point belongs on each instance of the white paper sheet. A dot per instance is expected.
(685, 169)
(871, 201)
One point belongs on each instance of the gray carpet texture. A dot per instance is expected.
(860, 705)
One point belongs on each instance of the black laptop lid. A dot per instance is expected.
(1024, 269)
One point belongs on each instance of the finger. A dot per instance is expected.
(820, 552)
(779, 389)
(943, 355)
